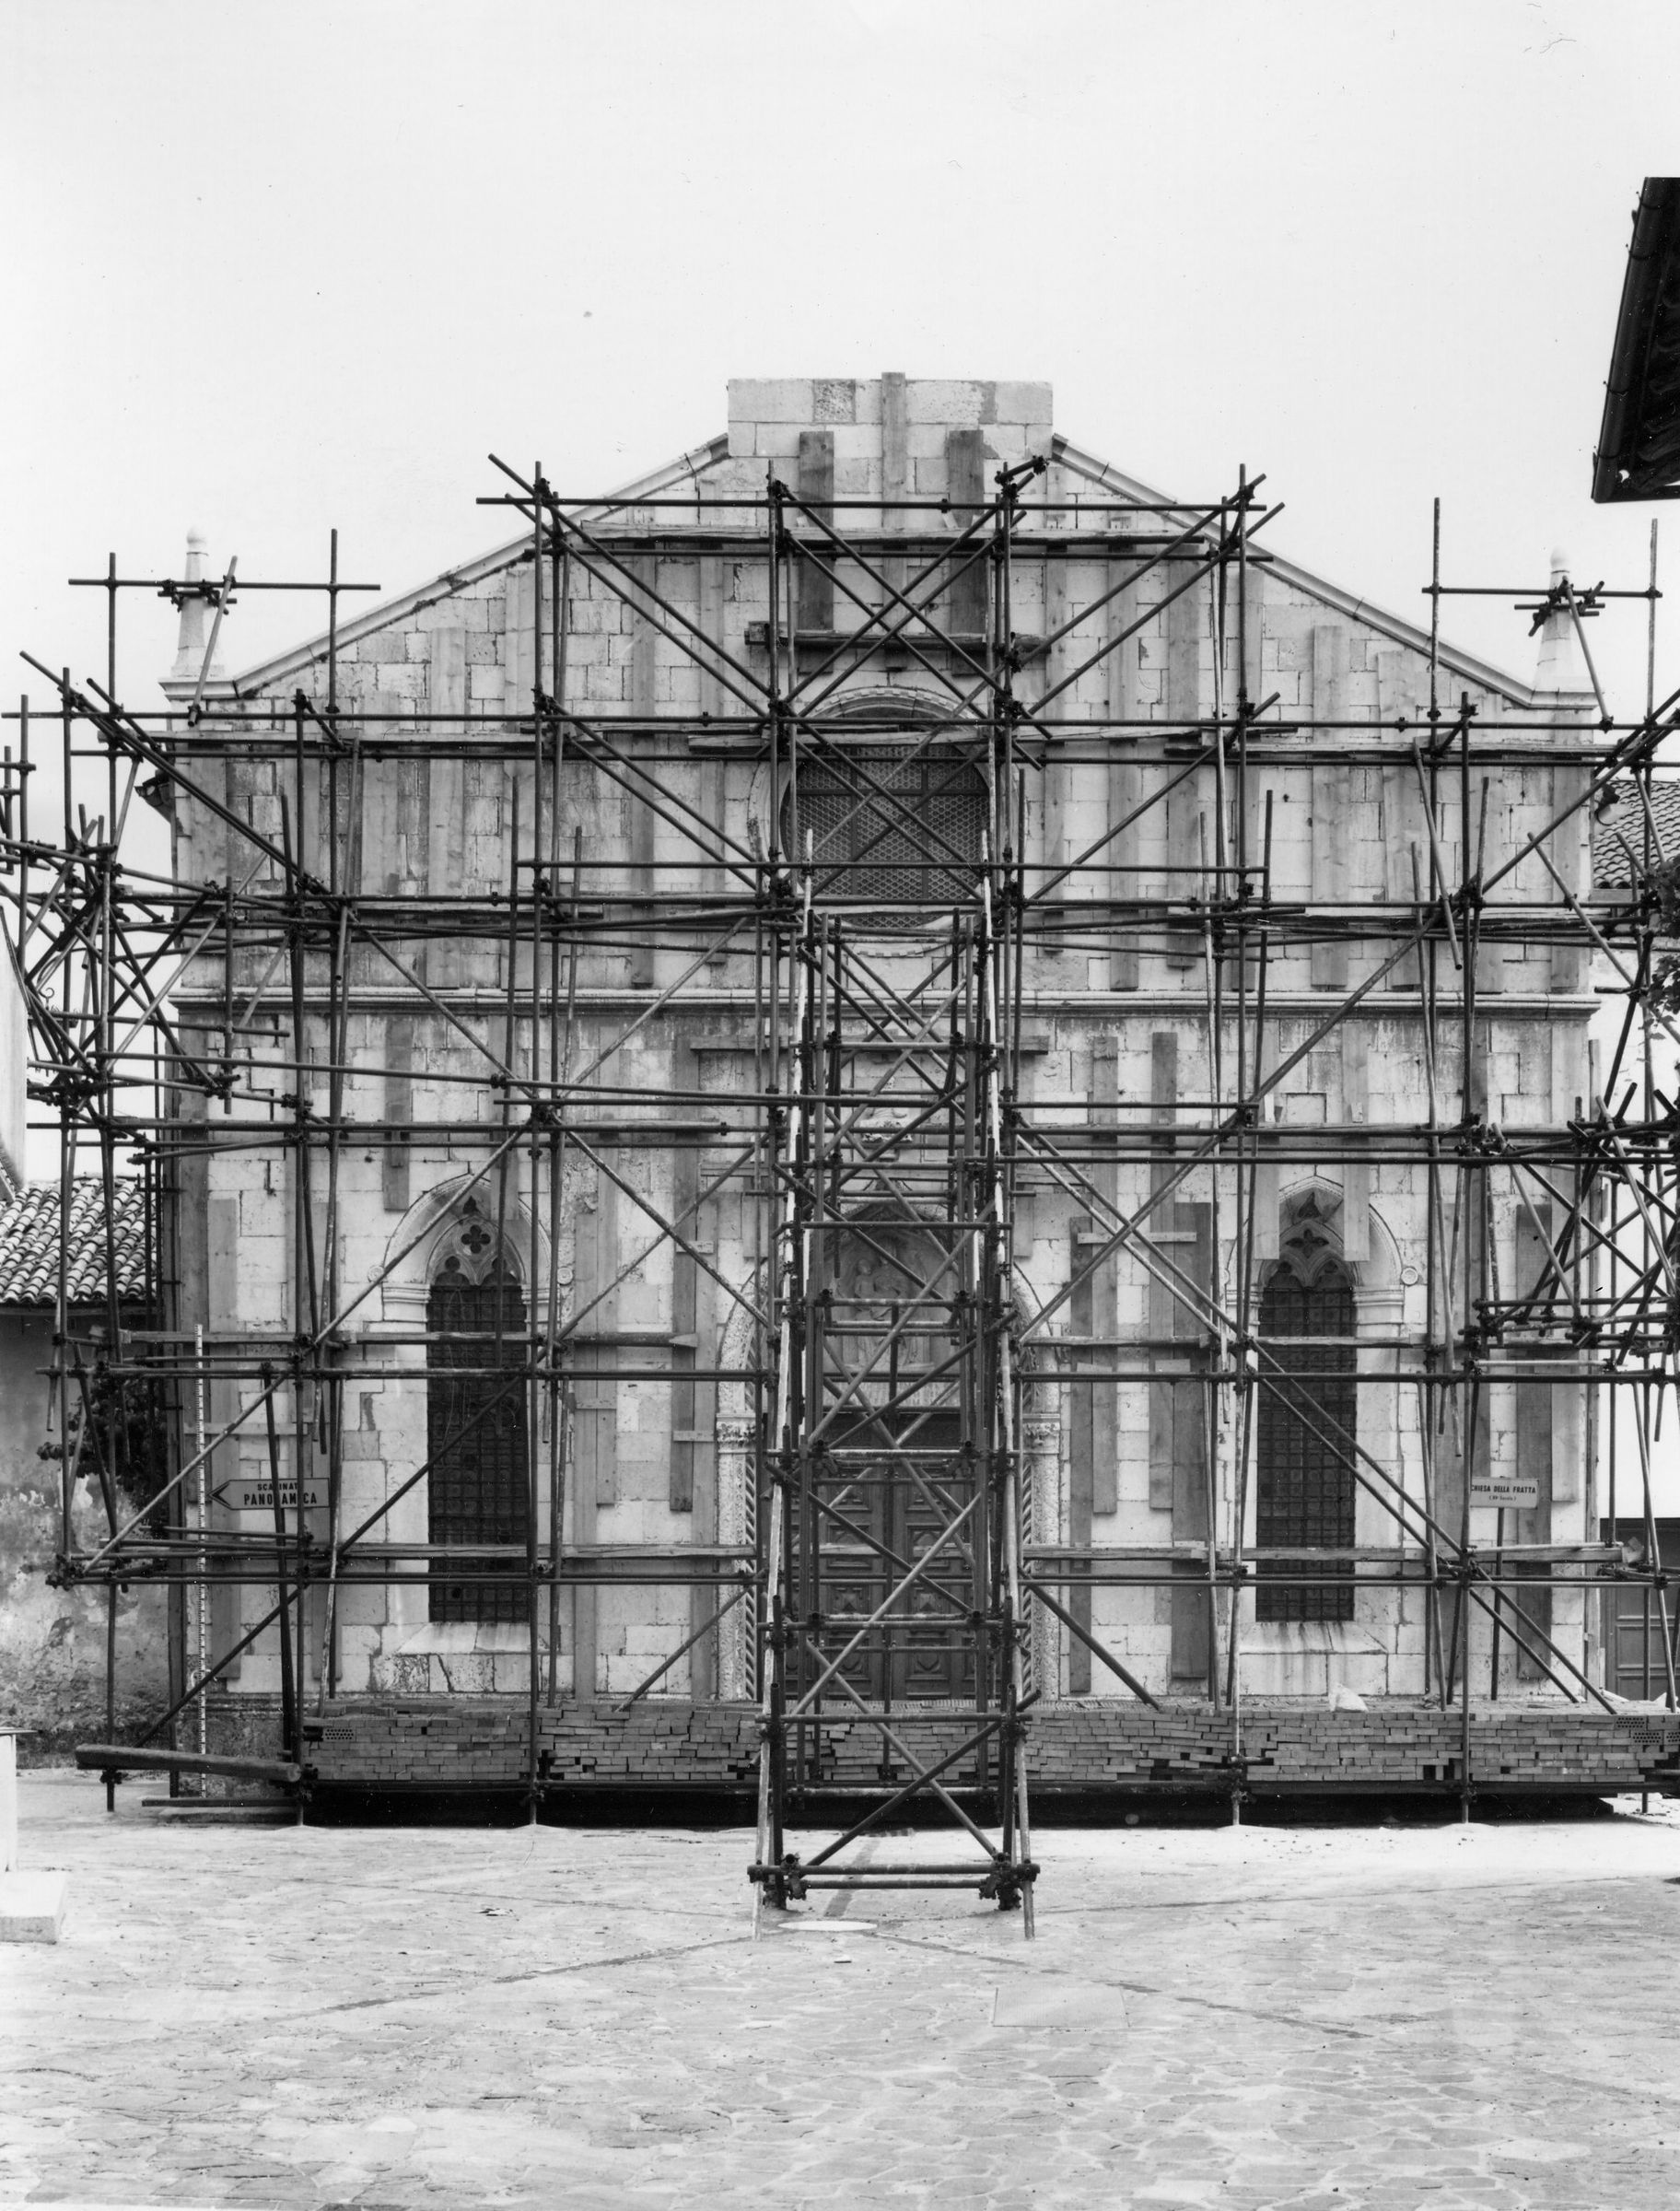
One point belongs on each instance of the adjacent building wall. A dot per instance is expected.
(52, 1642)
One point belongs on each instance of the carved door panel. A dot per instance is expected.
(855, 1577)
(922, 1652)
(934, 1658)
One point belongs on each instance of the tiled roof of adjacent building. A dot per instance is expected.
(1622, 828)
(29, 1242)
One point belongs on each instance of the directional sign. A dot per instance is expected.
(259, 1496)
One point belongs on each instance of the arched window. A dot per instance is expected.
(1304, 1485)
(893, 815)
(478, 1487)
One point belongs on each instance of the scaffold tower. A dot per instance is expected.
(779, 1157)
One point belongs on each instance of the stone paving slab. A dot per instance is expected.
(396, 2017)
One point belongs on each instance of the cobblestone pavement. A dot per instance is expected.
(439, 2016)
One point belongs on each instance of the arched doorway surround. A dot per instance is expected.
(881, 1264)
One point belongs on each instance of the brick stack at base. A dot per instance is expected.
(448, 1743)
(1093, 1746)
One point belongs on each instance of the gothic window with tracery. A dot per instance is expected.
(1307, 1413)
(478, 1438)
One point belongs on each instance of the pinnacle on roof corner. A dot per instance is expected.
(1558, 662)
(194, 613)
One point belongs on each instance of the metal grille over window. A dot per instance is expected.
(899, 825)
(476, 1439)
(1305, 1488)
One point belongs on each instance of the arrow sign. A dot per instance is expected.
(259, 1496)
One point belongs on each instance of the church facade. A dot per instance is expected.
(426, 1263)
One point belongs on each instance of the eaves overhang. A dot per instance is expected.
(1639, 439)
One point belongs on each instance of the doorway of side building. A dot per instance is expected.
(1634, 1662)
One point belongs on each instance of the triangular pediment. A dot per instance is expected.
(769, 418)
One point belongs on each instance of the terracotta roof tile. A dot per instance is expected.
(1623, 827)
(29, 1243)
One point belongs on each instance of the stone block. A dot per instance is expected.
(776, 440)
(859, 441)
(32, 1906)
(361, 1618)
(834, 399)
(385, 643)
(1029, 402)
(954, 402)
(770, 399)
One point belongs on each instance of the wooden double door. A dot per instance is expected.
(899, 1482)
(1636, 1663)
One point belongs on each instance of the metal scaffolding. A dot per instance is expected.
(887, 915)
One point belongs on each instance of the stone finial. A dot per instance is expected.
(195, 620)
(1557, 664)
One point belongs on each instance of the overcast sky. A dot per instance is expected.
(277, 267)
